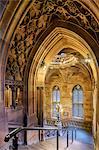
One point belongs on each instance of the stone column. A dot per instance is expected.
(40, 105)
(13, 96)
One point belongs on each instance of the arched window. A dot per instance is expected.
(77, 110)
(55, 100)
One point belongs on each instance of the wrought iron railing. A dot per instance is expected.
(70, 135)
(13, 134)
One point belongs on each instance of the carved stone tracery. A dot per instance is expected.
(37, 19)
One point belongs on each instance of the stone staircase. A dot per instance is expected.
(51, 145)
(45, 145)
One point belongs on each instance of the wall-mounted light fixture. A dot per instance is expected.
(87, 59)
(43, 65)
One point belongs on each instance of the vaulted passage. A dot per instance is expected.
(49, 75)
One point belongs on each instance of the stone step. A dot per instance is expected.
(51, 145)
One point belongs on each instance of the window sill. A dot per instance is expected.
(78, 118)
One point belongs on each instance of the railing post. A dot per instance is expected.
(42, 136)
(39, 135)
(15, 143)
(72, 136)
(25, 125)
(75, 134)
(67, 139)
(57, 140)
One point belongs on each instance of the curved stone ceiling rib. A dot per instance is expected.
(3, 4)
(40, 15)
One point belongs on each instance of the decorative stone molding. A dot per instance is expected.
(13, 83)
(40, 15)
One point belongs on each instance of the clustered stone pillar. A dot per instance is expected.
(40, 111)
(40, 106)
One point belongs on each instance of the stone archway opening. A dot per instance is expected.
(54, 44)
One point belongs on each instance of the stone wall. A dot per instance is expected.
(66, 79)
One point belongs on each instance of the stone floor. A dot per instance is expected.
(80, 146)
(83, 136)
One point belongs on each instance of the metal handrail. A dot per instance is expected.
(17, 130)
(12, 133)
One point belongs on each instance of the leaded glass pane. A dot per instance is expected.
(80, 110)
(78, 101)
(75, 110)
(55, 100)
(80, 96)
(54, 113)
(58, 96)
(54, 96)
